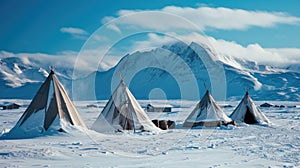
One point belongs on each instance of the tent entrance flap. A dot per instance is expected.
(249, 117)
(248, 112)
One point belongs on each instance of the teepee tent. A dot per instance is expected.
(50, 108)
(247, 112)
(123, 112)
(206, 113)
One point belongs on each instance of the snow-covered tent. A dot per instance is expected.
(206, 113)
(50, 109)
(123, 112)
(247, 112)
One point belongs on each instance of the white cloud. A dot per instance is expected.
(107, 19)
(290, 54)
(253, 52)
(173, 17)
(226, 18)
(114, 28)
(75, 32)
(279, 57)
(100, 38)
(155, 20)
(153, 41)
(96, 59)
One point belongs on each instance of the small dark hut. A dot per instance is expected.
(7, 105)
(156, 108)
(266, 105)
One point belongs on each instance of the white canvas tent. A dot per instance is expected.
(123, 112)
(206, 113)
(247, 112)
(50, 109)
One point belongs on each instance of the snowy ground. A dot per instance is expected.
(277, 145)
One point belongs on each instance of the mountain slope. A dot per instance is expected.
(21, 77)
(176, 71)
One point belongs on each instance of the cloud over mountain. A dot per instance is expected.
(204, 18)
(77, 33)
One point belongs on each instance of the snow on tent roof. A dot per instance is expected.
(247, 112)
(123, 112)
(206, 111)
(51, 107)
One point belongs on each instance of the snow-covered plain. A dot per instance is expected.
(277, 145)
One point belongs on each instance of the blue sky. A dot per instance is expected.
(51, 27)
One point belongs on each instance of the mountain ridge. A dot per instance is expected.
(174, 71)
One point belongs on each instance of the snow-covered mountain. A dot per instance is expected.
(20, 77)
(175, 71)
